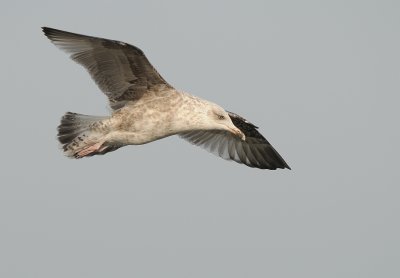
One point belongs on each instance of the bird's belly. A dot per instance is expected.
(142, 129)
(134, 138)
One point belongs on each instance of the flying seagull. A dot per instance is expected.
(146, 108)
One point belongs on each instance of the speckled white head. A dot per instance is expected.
(212, 116)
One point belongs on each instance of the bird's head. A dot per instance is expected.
(220, 120)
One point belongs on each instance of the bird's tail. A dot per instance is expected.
(81, 135)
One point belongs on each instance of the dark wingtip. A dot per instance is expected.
(49, 32)
(46, 30)
(284, 165)
(56, 34)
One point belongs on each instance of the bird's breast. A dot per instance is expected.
(146, 121)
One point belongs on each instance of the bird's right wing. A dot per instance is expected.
(254, 151)
(121, 71)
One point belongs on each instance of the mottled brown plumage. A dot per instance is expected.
(146, 108)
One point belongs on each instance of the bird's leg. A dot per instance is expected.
(91, 149)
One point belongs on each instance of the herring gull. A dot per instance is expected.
(146, 108)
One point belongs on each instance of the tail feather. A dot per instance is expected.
(73, 124)
(79, 136)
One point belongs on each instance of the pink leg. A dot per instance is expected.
(89, 150)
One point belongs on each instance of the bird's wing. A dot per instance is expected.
(255, 151)
(121, 71)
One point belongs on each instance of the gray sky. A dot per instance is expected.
(320, 78)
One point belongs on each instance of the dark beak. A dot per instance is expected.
(238, 133)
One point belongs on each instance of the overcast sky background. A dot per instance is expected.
(320, 78)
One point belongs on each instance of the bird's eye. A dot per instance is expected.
(221, 117)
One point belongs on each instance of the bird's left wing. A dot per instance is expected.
(121, 70)
(255, 151)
